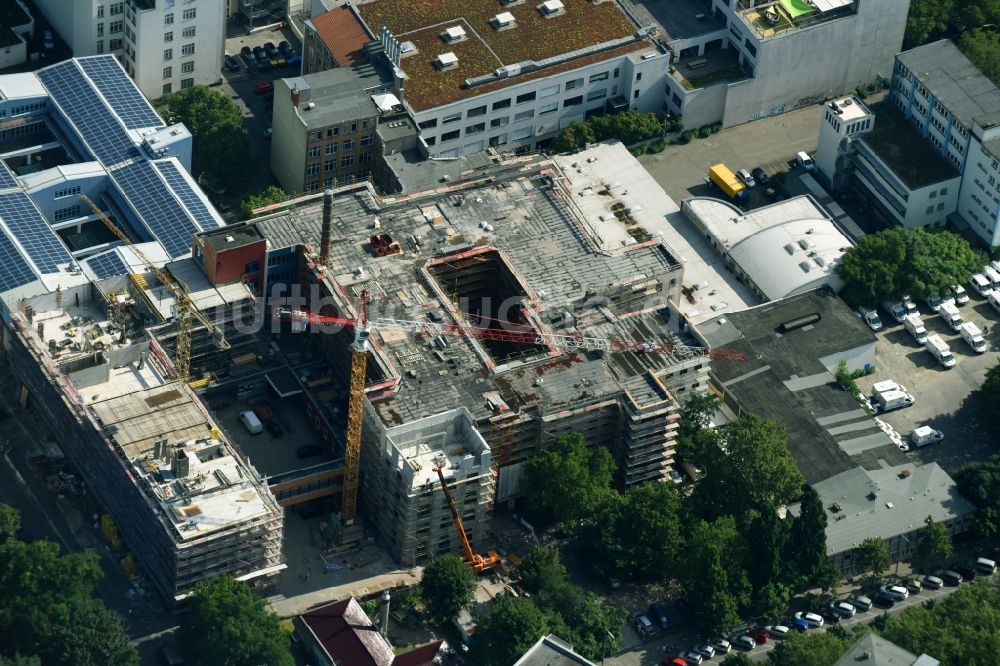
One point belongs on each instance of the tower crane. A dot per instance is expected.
(363, 326)
(478, 563)
(183, 307)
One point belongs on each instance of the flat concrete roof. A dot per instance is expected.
(900, 145)
(337, 95)
(783, 379)
(952, 78)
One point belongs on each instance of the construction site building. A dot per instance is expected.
(184, 501)
(406, 505)
(563, 249)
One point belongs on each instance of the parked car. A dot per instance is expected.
(745, 643)
(914, 585)
(958, 293)
(829, 615)
(705, 650)
(843, 608)
(285, 49)
(967, 571)
(812, 618)
(277, 60)
(232, 64)
(986, 566)
(759, 634)
(803, 160)
(761, 177)
(931, 582)
(262, 87)
(692, 657)
(746, 178)
(248, 57)
(800, 625)
(952, 578)
(658, 612)
(860, 602)
(870, 317)
(897, 592)
(722, 646)
(643, 625)
(308, 451)
(48, 41)
(294, 59)
(934, 302)
(674, 661)
(884, 601)
(778, 631)
(274, 428)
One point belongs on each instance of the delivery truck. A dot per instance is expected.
(973, 337)
(949, 312)
(727, 181)
(915, 326)
(940, 350)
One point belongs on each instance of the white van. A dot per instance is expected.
(251, 422)
(803, 160)
(992, 276)
(986, 566)
(980, 284)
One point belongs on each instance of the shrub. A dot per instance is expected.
(704, 131)
(657, 146)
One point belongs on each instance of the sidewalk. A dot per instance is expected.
(292, 606)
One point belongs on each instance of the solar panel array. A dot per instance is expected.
(7, 179)
(120, 91)
(84, 107)
(182, 188)
(106, 265)
(156, 206)
(16, 271)
(34, 234)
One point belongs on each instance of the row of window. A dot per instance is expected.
(348, 144)
(331, 165)
(337, 131)
(186, 68)
(22, 109)
(187, 49)
(313, 185)
(187, 15)
(185, 83)
(67, 192)
(187, 33)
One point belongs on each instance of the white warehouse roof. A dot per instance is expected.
(783, 249)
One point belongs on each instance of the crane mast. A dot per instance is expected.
(355, 407)
(478, 563)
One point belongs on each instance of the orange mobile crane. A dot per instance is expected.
(478, 563)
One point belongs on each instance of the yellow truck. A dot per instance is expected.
(727, 181)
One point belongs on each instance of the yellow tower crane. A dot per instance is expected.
(183, 307)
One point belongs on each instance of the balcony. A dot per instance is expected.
(713, 67)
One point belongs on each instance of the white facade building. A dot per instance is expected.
(164, 45)
(931, 153)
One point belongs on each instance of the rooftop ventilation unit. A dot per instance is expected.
(805, 266)
(455, 33)
(503, 20)
(446, 60)
(551, 7)
(507, 71)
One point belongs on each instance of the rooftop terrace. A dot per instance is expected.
(581, 25)
(900, 145)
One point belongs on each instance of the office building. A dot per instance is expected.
(164, 45)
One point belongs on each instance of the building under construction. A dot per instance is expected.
(501, 295)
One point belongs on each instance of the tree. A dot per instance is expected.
(228, 626)
(221, 151)
(964, 628)
(927, 19)
(47, 607)
(569, 480)
(271, 195)
(896, 261)
(637, 534)
(712, 564)
(806, 547)
(19, 660)
(575, 137)
(10, 522)
(512, 626)
(628, 127)
(979, 482)
(935, 543)
(738, 659)
(809, 649)
(982, 47)
(541, 568)
(696, 439)
(447, 586)
(828, 577)
(872, 555)
(989, 394)
(754, 474)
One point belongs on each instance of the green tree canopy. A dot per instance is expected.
(712, 565)
(229, 626)
(964, 628)
(696, 439)
(512, 626)
(574, 137)
(927, 20)
(815, 648)
(10, 522)
(806, 547)
(568, 481)
(47, 607)
(628, 127)
(979, 482)
(755, 473)
(447, 586)
(982, 47)
(541, 568)
(935, 543)
(989, 395)
(221, 151)
(915, 261)
(638, 534)
(738, 659)
(271, 195)
(872, 555)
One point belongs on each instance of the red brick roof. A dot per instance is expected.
(343, 34)
(349, 637)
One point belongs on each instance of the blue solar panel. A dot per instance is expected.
(83, 106)
(156, 206)
(7, 179)
(106, 265)
(120, 91)
(14, 270)
(182, 188)
(32, 231)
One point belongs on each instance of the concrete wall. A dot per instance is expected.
(981, 180)
(288, 141)
(75, 22)
(703, 106)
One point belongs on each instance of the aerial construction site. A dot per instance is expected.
(402, 359)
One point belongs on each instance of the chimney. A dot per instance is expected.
(383, 615)
(324, 238)
(295, 96)
(182, 466)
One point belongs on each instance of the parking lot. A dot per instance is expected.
(944, 398)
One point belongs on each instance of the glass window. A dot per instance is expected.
(597, 94)
(478, 111)
(167, 88)
(548, 108)
(189, 14)
(314, 151)
(348, 144)
(187, 67)
(168, 72)
(450, 136)
(502, 104)
(168, 54)
(189, 32)
(428, 124)
(187, 83)
(522, 133)
(500, 122)
(347, 160)
(574, 83)
(550, 91)
(168, 19)
(475, 129)
(524, 115)
(168, 36)
(594, 78)
(187, 49)
(526, 97)
(331, 149)
(573, 101)
(451, 118)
